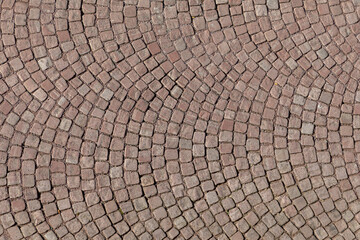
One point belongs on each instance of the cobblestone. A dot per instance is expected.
(211, 119)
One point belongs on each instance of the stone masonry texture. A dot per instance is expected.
(179, 119)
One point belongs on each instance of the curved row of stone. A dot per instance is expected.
(147, 120)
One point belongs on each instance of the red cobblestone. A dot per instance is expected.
(208, 119)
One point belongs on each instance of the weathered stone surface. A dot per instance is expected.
(199, 119)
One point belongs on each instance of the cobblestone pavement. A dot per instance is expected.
(179, 119)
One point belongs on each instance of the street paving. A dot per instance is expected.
(179, 119)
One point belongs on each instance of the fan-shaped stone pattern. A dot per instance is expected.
(200, 119)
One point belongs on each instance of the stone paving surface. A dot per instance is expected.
(179, 119)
